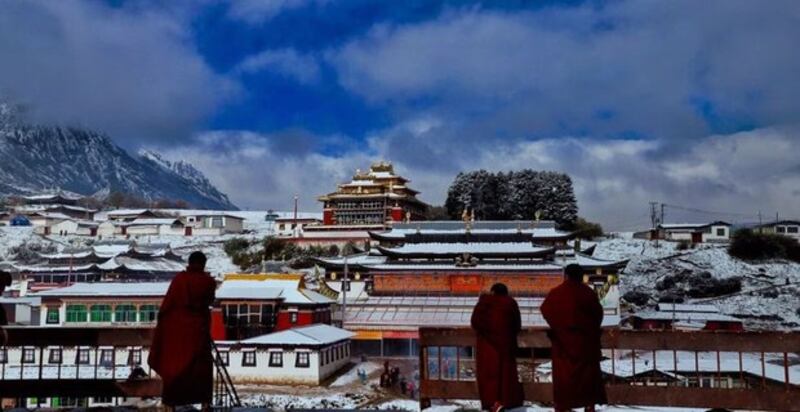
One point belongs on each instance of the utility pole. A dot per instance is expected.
(296, 228)
(654, 220)
(760, 223)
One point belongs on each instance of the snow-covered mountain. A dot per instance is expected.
(36, 158)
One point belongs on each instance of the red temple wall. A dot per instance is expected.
(465, 283)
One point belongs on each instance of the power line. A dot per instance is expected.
(709, 212)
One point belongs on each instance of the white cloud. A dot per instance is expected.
(131, 72)
(614, 179)
(624, 66)
(288, 62)
(258, 11)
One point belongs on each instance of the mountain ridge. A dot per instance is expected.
(37, 158)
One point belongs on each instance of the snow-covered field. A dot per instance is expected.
(770, 295)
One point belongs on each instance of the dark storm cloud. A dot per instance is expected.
(132, 73)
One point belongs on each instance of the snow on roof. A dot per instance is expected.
(479, 266)
(199, 212)
(359, 259)
(152, 222)
(286, 287)
(685, 316)
(678, 307)
(589, 261)
(541, 229)
(692, 225)
(313, 335)
(56, 269)
(706, 362)
(462, 247)
(103, 289)
(247, 289)
(126, 212)
(63, 195)
(78, 254)
(150, 265)
(50, 215)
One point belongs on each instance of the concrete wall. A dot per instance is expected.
(288, 374)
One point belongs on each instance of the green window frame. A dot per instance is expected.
(77, 313)
(148, 313)
(125, 313)
(53, 316)
(100, 313)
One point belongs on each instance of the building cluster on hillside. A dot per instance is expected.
(717, 231)
(65, 214)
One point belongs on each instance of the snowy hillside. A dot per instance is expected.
(37, 158)
(770, 291)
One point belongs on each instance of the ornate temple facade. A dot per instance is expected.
(431, 273)
(378, 198)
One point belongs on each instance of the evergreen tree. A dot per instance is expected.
(514, 195)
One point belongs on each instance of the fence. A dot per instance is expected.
(737, 370)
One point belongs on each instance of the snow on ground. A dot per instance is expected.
(351, 376)
(770, 296)
(452, 406)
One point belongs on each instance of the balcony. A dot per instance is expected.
(745, 370)
(79, 362)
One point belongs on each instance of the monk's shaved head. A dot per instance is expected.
(198, 260)
(574, 272)
(500, 289)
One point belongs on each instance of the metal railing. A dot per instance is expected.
(736, 370)
(41, 362)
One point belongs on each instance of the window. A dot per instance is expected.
(82, 357)
(3, 355)
(52, 316)
(55, 355)
(28, 355)
(302, 360)
(292, 317)
(100, 313)
(107, 357)
(267, 318)
(216, 222)
(276, 359)
(103, 399)
(792, 229)
(781, 229)
(134, 357)
(225, 358)
(77, 313)
(721, 231)
(148, 313)
(281, 227)
(249, 358)
(125, 313)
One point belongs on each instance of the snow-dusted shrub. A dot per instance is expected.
(749, 245)
(29, 252)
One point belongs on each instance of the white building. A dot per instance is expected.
(789, 228)
(288, 226)
(210, 222)
(696, 232)
(306, 355)
(143, 227)
(102, 304)
(75, 227)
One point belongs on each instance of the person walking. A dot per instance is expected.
(181, 349)
(496, 321)
(575, 316)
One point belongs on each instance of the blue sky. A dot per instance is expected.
(689, 103)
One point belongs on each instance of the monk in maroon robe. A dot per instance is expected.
(575, 315)
(181, 349)
(496, 321)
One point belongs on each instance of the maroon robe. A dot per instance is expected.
(575, 315)
(496, 321)
(181, 349)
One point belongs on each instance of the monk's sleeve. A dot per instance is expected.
(517, 319)
(171, 298)
(479, 317)
(547, 309)
(596, 311)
